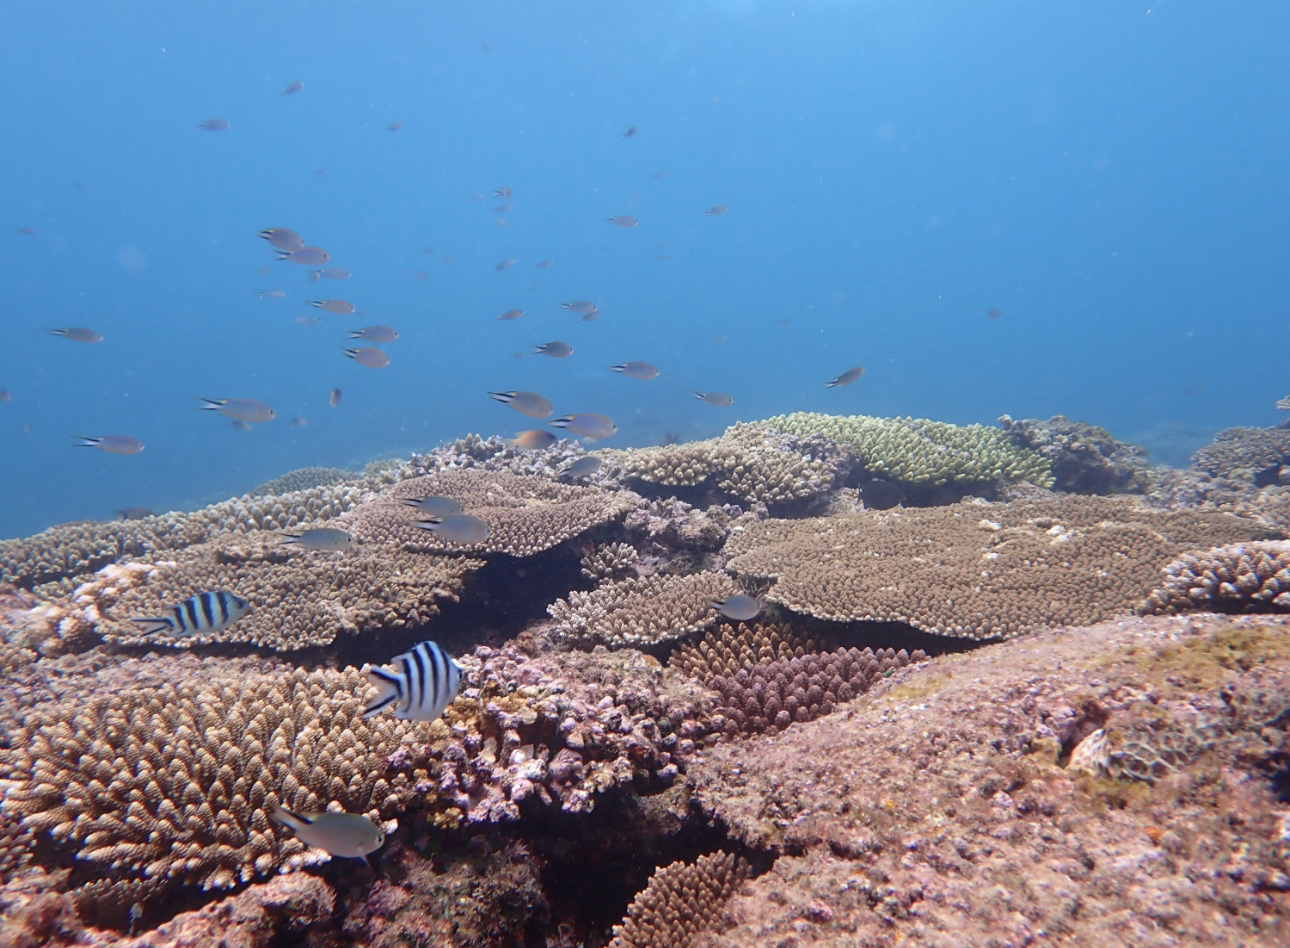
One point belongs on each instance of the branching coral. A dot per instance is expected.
(728, 649)
(1243, 577)
(975, 570)
(680, 902)
(1248, 454)
(641, 611)
(917, 451)
(611, 561)
(1084, 458)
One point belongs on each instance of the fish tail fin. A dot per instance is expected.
(85, 442)
(212, 404)
(387, 691)
(154, 624)
(288, 819)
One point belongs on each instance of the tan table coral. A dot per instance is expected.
(526, 515)
(641, 611)
(976, 570)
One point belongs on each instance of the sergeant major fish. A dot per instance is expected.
(205, 612)
(422, 683)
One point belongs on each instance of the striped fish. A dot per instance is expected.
(205, 612)
(423, 683)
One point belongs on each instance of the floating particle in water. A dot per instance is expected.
(272, 294)
(27, 231)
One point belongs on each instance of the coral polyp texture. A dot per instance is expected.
(298, 598)
(750, 461)
(525, 515)
(641, 611)
(170, 778)
(918, 451)
(1084, 458)
(681, 902)
(729, 649)
(1243, 577)
(1246, 454)
(973, 569)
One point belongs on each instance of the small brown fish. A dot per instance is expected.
(306, 256)
(272, 294)
(716, 210)
(637, 370)
(589, 425)
(584, 466)
(300, 421)
(372, 358)
(526, 403)
(394, 126)
(339, 307)
(284, 238)
(556, 350)
(78, 334)
(720, 399)
(630, 132)
(505, 264)
(503, 192)
(113, 444)
(534, 439)
(331, 273)
(622, 220)
(334, 398)
(994, 313)
(214, 125)
(134, 513)
(847, 377)
(374, 334)
(544, 264)
(293, 87)
(579, 306)
(512, 314)
(239, 409)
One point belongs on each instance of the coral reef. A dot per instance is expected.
(611, 561)
(976, 570)
(917, 451)
(298, 598)
(303, 479)
(641, 611)
(1243, 577)
(680, 902)
(727, 650)
(1083, 458)
(526, 515)
(1247, 454)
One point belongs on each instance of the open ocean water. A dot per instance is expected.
(1019, 207)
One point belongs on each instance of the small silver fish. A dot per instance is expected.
(374, 334)
(339, 307)
(720, 399)
(579, 306)
(372, 358)
(300, 421)
(239, 409)
(293, 87)
(505, 264)
(503, 192)
(582, 467)
(435, 506)
(272, 294)
(588, 425)
(589, 317)
(78, 334)
(205, 612)
(526, 403)
(740, 608)
(716, 210)
(348, 835)
(630, 132)
(637, 370)
(134, 513)
(283, 238)
(534, 439)
(323, 539)
(214, 125)
(512, 314)
(306, 256)
(457, 528)
(334, 398)
(556, 350)
(847, 377)
(544, 264)
(332, 273)
(112, 444)
(308, 320)
(622, 220)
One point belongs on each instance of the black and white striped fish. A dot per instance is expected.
(205, 612)
(421, 685)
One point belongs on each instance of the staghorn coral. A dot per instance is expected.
(791, 690)
(298, 598)
(1084, 458)
(641, 611)
(1243, 577)
(1246, 454)
(975, 570)
(611, 561)
(302, 479)
(918, 451)
(726, 650)
(525, 514)
(73, 550)
(680, 902)
(750, 461)
(170, 778)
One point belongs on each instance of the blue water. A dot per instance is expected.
(1110, 176)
